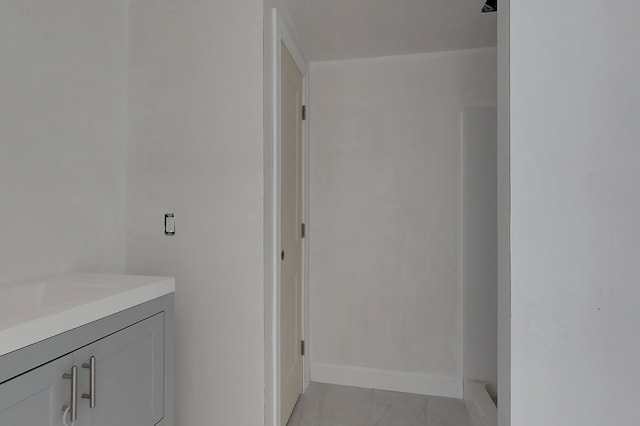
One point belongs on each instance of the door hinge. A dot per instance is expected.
(303, 231)
(304, 112)
(302, 348)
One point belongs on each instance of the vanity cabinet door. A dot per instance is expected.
(36, 398)
(129, 376)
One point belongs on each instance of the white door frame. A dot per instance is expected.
(282, 36)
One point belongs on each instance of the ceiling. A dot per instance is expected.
(346, 29)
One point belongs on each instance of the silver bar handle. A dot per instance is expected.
(91, 396)
(74, 392)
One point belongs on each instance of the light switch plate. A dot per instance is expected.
(169, 224)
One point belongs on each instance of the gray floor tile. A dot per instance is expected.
(331, 405)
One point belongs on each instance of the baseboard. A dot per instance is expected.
(481, 407)
(391, 380)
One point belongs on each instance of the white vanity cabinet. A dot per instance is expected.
(117, 370)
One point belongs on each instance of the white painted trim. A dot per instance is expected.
(461, 242)
(306, 242)
(482, 409)
(282, 36)
(391, 380)
(275, 226)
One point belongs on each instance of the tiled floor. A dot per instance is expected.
(331, 405)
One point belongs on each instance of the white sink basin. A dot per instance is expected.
(34, 310)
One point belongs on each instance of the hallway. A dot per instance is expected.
(332, 405)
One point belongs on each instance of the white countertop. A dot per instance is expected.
(36, 309)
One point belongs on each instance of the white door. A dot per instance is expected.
(291, 238)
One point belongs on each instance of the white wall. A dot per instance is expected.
(386, 215)
(575, 209)
(504, 220)
(63, 141)
(196, 136)
(480, 271)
